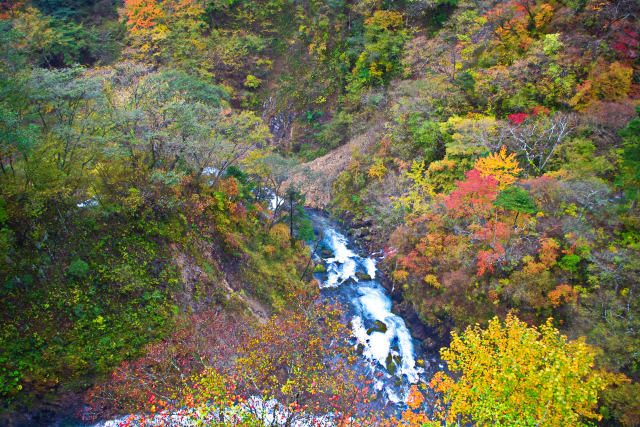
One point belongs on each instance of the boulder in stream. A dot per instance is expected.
(326, 253)
(319, 268)
(391, 366)
(378, 326)
(363, 276)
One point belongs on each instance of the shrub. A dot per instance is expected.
(78, 268)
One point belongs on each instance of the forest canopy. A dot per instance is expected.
(159, 160)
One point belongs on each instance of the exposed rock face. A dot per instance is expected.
(315, 178)
(280, 124)
(279, 121)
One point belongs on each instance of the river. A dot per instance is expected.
(383, 338)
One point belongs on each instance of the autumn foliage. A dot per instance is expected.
(491, 148)
(474, 196)
(502, 167)
(142, 14)
(207, 372)
(513, 374)
(155, 381)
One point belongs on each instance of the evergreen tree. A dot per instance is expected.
(296, 218)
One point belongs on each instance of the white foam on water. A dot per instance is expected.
(275, 201)
(375, 346)
(359, 332)
(269, 412)
(342, 265)
(375, 303)
(377, 306)
(370, 265)
(210, 171)
(379, 344)
(273, 413)
(87, 203)
(405, 344)
(393, 396)
(372, 304)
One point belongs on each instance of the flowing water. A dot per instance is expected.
(352, 279)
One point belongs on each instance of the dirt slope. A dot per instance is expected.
(315, 178)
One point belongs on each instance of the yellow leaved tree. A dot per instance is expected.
(511, 374)
(504, 168)
(377, 169)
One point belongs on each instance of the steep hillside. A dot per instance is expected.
(156, 157)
